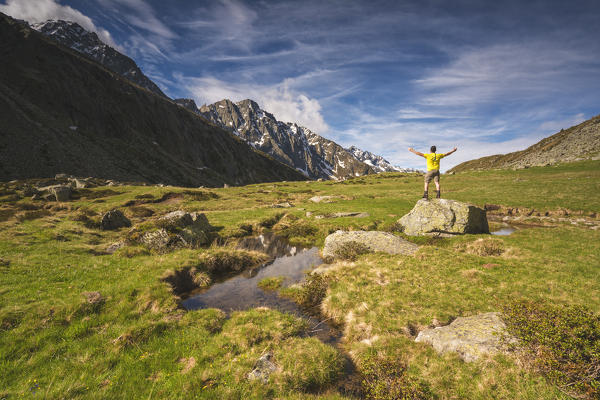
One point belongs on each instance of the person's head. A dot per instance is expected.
(433, 149)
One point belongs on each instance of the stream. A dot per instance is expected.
(241, 292)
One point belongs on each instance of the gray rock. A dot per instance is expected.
(175, 220)
(4, 262)
(114, 219)
(79, 184)
(93, 297)
(282, 205)
(374, 240)
(470, 337)
(324, 199)
(157, 240)
(444, 216)
(176, 229)
(114, 247)
(61, 176)
(263, 368)
(55, 193)
(349, 214)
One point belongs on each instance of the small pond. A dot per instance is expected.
(504, 231)
(242, 293)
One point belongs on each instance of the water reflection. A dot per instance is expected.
(242, 293)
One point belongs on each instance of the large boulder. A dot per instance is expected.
(114, 219)
(444, 216)
(470, 337)
(55, 193)
(373, 240)
(175, 229)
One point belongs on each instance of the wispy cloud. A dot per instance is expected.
(140, 14)
(42, 10)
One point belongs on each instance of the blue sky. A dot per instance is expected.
(486, 76)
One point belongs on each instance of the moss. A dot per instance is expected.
(272, 283)
(386, 378)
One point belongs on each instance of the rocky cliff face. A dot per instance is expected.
(61, 112)
(294, 145)
(72, 35)
(579, 142)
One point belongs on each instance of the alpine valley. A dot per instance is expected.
(298, 147)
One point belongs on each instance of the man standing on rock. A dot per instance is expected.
(433, 168)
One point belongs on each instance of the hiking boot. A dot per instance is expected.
(438, 194)
(426, 196)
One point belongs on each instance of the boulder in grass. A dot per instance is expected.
(373, 240)
(444, 216)
(470, 337)
(55, 193)
(115, 219)
(263, 368)
(175, 229)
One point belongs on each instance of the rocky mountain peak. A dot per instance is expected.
(190, 104)
(294, 145)
(74, 36)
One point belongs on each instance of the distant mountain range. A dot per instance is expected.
(298, 147)
(579, 142)
(63, 112)
(295, 145)
(379, 163)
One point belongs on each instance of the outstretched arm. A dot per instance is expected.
(416, 152)
(450, 152)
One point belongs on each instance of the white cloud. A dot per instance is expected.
(282, 100)
(532, 71)
(42, 10)
(141, 15)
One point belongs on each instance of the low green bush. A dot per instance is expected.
(350, 250)
(560, 341)
(385, 378)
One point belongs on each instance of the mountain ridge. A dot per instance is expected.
(62, 112)
(297, 146)
(74, 36)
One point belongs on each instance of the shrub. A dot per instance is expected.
(562, 342)
(385, 378)
(313, 291)
(351, 250)
(484, 247)
(268, 222)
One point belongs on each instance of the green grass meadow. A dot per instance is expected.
(139, 344)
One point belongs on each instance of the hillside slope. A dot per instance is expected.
(576, 143)
(73, 35)
(63, 113)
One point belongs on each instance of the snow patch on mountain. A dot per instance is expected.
(377, 162)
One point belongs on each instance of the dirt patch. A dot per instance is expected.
(187, 364)
(93, 194)
(167, 198)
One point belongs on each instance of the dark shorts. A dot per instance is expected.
(433, 174)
